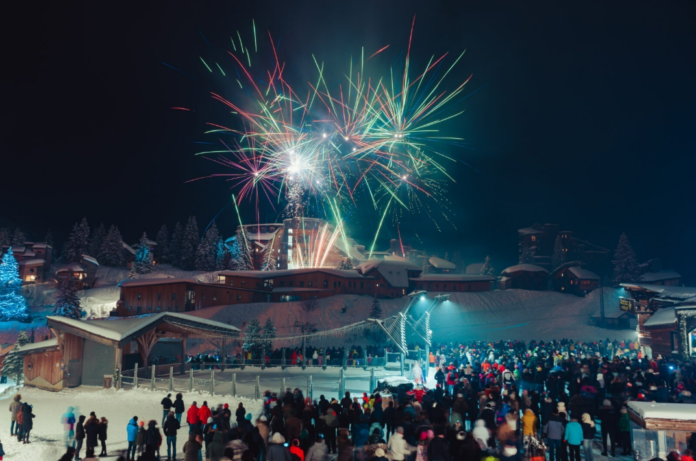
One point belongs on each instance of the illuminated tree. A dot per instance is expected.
(143, 257)
(13, 306)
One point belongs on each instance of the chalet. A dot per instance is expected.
(84, 273)
(452, 282)
(393, 276)
(34, 260)
(661, 329)
(572, 278)
(441, 266)
(663, 277)
(84, 351)
(526, 277)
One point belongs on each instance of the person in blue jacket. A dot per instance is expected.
(132, 430)
(574, 437)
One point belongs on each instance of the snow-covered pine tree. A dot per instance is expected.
(527, 256)
(78, 242)
(13, 366)
(13, 306)
(459, 262)
(49, 238)
(376, 309)
(487, 268)
(97, 239)
(67, 301)
(270, 258)
(175, 245)
(220, 255)
(207, 249)
(162, 248)
(558, 257)
(18, 238)
(625, 262)
(240, 256)
(5, 236)
(189, 244)
(252, 336)
(142, 264)
(269, 334)
(345, 264)
(111, 252)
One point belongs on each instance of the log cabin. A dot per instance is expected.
(526, 277)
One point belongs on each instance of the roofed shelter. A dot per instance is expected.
(83, 351)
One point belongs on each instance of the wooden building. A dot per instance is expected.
(84, 273)
(452, 282)
(526, 277)
(572, 278)
(148, 296)
(441, 266)
(661, 332)
(394, 276)
(663, 277)
(84, 351)
(34, 260)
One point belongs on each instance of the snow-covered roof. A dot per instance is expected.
(529, 230)
(664, 291)
(32, 262)
(155, 281)
(17, 249)
(90, 259)
(583, 274)
(122, 329)
(71, 267)
(674, 411)
(659, 276)
(128, 248)
(41, 245)
(152, 243)
(453, 278)
(473, 269)
(347, 273)
(440, 263)
(294, 289)
(41, 345)
(395, 271)
(664, 316)
(524, 268)
(28, 254)
(353, 250)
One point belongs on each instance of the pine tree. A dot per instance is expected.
(527, 256)
(240, 256)
(207, 249)
(13, 366)
(270, 259)
(376, 309)
(220, 255)
(96, 241)
(487, 268)
(49, 238)
(252, 336)
(559, 255)
(345, 264)
(142, 264)
(459, 262)
(18, 238)
(111, 252)
(5, 236)
(67, 301)
(175, 245)
(78, 242)
(269, 334)
(625, 263)
(162, 248)
(189, 244)
(13, 306)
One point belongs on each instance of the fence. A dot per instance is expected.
(220, 382)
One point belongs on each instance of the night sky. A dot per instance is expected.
(582, 114)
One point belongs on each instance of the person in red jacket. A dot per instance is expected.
(204, 413)
(192, 417)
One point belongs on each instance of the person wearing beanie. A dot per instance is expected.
(140, 439)
(166, 407)
(379, 455)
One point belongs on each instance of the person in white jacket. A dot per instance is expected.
(398, 446)
(318, 452)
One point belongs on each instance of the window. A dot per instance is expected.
(138, 296)
(173, 296)
(533, 238)
(251, 297)
(159, 296)
(214, 297)
(281, 283)
(243, 283)
(301, 283)
(202, 298)
(361, 284)
(230, 297)
(239, 297)
(138, 309)
(231, 282)
(335, 284)
(258, 284)
(221, 279)
(339, 284)
(290, 283)
(289, 298)
(309, 284)
(326, 284)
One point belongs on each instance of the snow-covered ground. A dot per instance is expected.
(117, 406)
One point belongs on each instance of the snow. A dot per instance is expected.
(678, 411)
(583, 274)
(395, 380)
(348, 273)
(665, 291)
(528, 231)
(155, 281)
(394, 270)
(117, 406)
(39, 345)
(440, 263)
(664, 316)
(41, 245)
(31, 262)
(71, 267)
(453, 278)
(90, 259)
(659, 276)
(474, 268)
(524, 268)
(128, 248)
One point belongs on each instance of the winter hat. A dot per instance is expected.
(210, 420)
(248, 416)
(263, 418)
(277, 438)
(226, 406)
(606, 403)
(561, 407)
(142, 423)
(461, 436)
(423, 435)
(379, 452)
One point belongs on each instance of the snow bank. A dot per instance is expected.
(678, 411)
(117, 406)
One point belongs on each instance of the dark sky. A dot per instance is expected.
(584, 114)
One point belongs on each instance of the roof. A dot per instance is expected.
(669, 411)
(440, 263)
(583, 274)
(664, 291)
(155, 281)
(122, 330)
(474, 268)
(71, 267)
(347, 273)
(128, 248)
(41, 245)
(28, 253)
(524, 268)
(659, 276)
(32, 262)
(664, 316)
(529, 230)
(90, 259)
(295, 289)
(40, 346)
(452, 278)
(394, 271)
